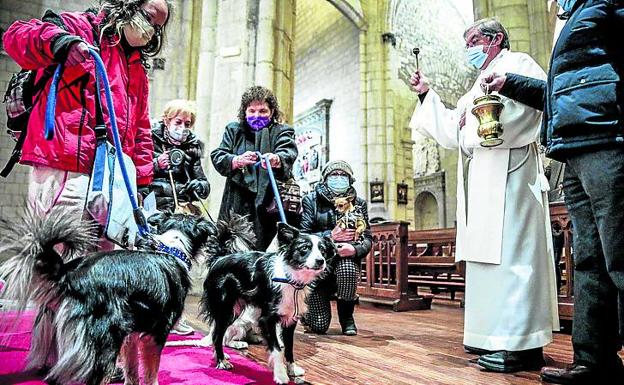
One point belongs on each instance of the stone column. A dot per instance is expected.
(379, 153)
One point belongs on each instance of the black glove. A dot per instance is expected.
(200, 187)
(61, 44)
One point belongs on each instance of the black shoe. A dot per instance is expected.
(577, 374)
(509, 362)
(345, 316)
(477, 351)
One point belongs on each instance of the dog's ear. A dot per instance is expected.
(330, 246)
(157, 219)
(204, 229)
(286, 233)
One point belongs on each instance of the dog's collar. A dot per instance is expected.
(181, 255)
(296, 285)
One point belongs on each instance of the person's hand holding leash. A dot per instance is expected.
(245, 159)
(274, 160)
(77, 53)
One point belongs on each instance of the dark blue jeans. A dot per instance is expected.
(594, 194)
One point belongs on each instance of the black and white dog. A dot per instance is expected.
(276, 283)
(96, 308)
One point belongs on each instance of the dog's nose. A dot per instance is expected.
(319, 262)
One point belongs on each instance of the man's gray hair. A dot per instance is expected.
(490, 27)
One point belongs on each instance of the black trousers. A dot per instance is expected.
(594, 194)
(343, 282)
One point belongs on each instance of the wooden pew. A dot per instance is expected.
(562, 226)
(431, 261)
(384, 272)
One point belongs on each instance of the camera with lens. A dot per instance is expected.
(176, 157)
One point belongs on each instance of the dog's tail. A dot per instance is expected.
(223, 295)
(234, 235)
(30, 265)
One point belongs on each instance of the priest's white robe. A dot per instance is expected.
(503, 222)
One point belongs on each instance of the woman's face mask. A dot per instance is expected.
(258, 115)
(178, 133)
(339, 184)
(138, 32)
(179, 128)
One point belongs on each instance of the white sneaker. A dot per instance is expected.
(181, 328)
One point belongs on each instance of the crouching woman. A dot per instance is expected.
(333, 209)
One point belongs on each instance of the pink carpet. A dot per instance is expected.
(179, 365)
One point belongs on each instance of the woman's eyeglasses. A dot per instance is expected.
(148, 19)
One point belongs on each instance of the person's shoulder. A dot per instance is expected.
(524, 64)
(520, 58)
(84, 20)
(233, 126)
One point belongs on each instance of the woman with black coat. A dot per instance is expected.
(247, 188)
(321, 216)
(177, 158)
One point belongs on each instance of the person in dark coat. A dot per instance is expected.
(583, 126)
(322, 216)
(177, 158)
(247, 188)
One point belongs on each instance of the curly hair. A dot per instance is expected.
(260, 94)
(119, 13)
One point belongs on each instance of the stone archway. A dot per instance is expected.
(433, 185)
(426, 212)
(352, 10)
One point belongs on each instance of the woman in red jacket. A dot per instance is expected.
(126, 34)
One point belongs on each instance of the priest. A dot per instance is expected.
(503, 225)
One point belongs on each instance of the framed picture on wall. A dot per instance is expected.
(376, 192)
(402, 193)
(312, 138)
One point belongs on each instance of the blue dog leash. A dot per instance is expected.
(280, 208)
(101, 75)
(278, 199)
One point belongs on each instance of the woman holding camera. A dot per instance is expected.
(177, 158)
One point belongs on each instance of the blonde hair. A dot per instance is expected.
(177, 106)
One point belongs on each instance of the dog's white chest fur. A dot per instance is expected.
(292, 305)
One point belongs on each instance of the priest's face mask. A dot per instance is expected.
(478, 47)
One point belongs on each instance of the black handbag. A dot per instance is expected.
(290, 192)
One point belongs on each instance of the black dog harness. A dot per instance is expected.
(298, 287)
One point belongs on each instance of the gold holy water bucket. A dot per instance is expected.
(487, 109)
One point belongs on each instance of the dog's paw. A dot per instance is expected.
(225, 365)
(280, 374)
(295, 370)
(239, 345)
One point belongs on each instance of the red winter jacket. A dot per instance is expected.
(73, 146)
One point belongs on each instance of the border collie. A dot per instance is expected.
(276, 283)
(97, 308)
